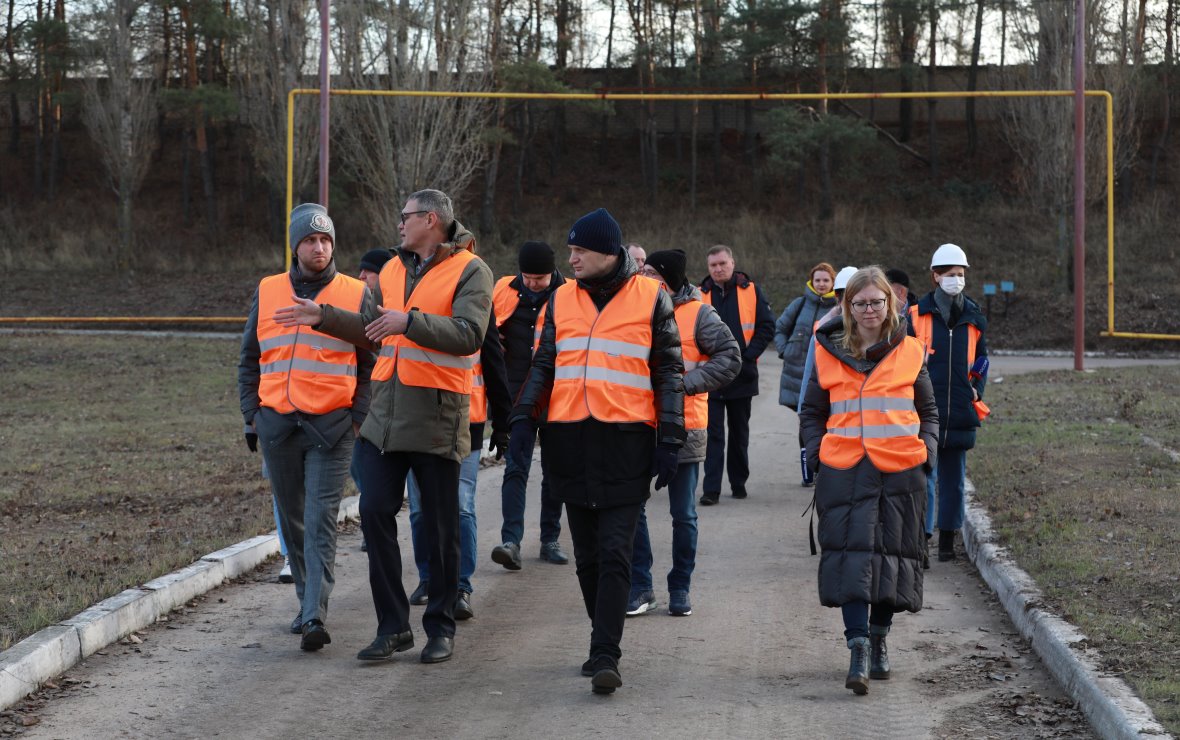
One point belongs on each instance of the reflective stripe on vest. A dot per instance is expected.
(433, 294)
(872, 414)
(696, 407)
(479, 396)
(505, 299)
(601, 364)
(747, 299)
(299, 368)
(924, 331)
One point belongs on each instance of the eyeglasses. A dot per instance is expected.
(863, 306)
(411, 213)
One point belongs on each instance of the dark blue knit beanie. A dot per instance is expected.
(597, 231)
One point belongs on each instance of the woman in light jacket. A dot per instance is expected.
(870, 426)
(792, 334)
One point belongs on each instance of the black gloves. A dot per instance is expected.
(520, 442)
(664, 462)
(251, 437)
(499, 443)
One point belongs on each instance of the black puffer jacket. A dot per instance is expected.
(724, 298)
(516, 331)
(792, 334)
(871, 524)
(599, 465)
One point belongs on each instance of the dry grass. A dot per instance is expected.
(1092, 512)
(120, 459)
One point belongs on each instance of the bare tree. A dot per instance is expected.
(120, 111)
(272, 62)
(1040, 129)
(394, 146)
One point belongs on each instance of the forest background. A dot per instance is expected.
(143, 141)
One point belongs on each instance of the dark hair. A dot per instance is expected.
(896, 275)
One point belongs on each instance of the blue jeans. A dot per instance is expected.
(308, 483)
(512, 495)
(279, 527)
(857, 618)
(949, 480)
(468, 470)
(683, 508)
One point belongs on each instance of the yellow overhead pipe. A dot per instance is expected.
(122, 319)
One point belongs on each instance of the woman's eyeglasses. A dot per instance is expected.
(863, 306)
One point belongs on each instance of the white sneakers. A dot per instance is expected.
(285, 574)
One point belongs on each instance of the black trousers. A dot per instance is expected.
(735, 459)
(383, 486)
(603, 539)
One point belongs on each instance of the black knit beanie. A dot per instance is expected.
(597, 231)
(536, 258)
(671, 264)
(375, 259)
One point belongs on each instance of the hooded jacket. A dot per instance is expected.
(713, 338)
(725, 300)
(406, 418)
(273, 427)
(949, 373)
(871, 524)
(792, 333)
(600, 465)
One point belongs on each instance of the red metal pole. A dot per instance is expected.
(1079, 186)
(325, 86)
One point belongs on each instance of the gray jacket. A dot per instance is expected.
(406, 418)
(792, 334)
(714, 339)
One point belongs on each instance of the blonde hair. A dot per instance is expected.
(867, 277)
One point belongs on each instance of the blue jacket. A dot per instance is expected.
(947, 365)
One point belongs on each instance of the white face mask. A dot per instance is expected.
(952, 284)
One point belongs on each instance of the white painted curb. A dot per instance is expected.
(1113, 709)
(55, 649)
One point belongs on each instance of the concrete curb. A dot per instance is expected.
(1113, 709)
(57, 648)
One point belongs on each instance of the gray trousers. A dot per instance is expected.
(308, 483)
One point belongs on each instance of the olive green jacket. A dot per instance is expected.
(404, 418)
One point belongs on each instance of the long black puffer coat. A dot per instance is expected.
(600, 465)
(870, 523)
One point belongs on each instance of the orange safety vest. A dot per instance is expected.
(696, 408)
(505, 301)
(872, 414)
(747, 308)
(601, 368)
(301, 369)
(479, 395)
(434, 294)
(924, 330)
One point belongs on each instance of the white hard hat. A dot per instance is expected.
(949, 255)
(843, 277)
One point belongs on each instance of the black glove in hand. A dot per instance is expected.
(664, 462)
(252, 441)
(499, 443)
(520, 443)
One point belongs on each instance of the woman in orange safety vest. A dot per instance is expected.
(870, 426)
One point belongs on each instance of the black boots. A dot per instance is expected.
(946, 545)
(878, 653)
(858, 666)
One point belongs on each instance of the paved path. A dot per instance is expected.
(758, 658)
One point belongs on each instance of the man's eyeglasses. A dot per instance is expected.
(863, 306)
(411, 213)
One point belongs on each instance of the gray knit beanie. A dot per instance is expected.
(308, 219)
